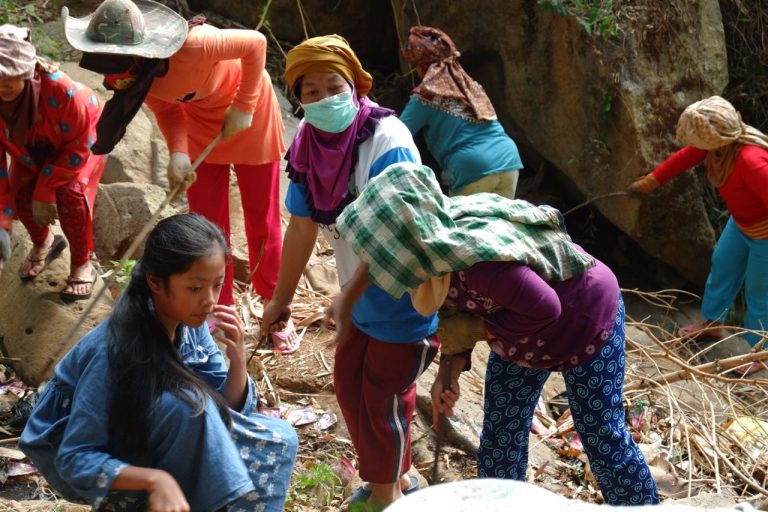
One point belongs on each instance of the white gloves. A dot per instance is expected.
(5, 246)
(235, 121)
(178, 168)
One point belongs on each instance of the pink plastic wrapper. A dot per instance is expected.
(213, 326)
(272, 412)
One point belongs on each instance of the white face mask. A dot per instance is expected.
(333, 114)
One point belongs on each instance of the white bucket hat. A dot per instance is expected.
(123, 27)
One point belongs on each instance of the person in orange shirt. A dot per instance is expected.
(199, 81)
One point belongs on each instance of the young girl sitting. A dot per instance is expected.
(143, 414)
(547, 306)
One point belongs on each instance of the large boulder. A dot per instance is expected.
(35, 324)
(120, 213)
(603, 111)
(367, 25)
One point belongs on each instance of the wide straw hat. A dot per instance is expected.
(123, 27)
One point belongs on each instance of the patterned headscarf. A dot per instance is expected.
(18, 56)
(715, 125)
(326, 54)
(445, 85)
(407, 232)
(19, 59)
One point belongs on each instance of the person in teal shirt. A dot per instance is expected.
(458, 120)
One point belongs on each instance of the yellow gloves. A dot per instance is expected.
(645, 184)
(459, 333)
(44, 213)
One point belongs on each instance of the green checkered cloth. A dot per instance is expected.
(407, 231)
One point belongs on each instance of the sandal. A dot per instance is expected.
(362, 494)
(72, 281)
(746, 371)
(54, 251)
(288, 340)
(701, 332)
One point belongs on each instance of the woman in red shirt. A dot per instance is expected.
(47, 127)
(736, 157)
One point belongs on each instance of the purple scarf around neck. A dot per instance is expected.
(324, 162)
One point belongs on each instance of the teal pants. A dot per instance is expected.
(738, 261)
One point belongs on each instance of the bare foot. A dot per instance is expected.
(706, 330)
(747, 369)
(34, 263)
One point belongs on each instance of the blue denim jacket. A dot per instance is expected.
(67, 434)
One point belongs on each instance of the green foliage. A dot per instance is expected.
(595, 16)
(122, 275)
(29, 16)
(263, 21)
(363, 506)
(606, 104)
(317, 486)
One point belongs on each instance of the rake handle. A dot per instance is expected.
(131, 249)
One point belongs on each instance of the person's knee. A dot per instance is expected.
(182, 413)
(285, 436)
(71, 196)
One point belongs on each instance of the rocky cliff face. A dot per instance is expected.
(602, 111)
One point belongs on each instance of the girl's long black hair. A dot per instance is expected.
(143, 361)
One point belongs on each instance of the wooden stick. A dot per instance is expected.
(129, 253)
(596, 198)
(441, 423)
(702, 370)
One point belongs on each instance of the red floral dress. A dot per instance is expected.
(66, 127)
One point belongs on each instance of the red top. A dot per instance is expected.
(745, 192)
(66, 119)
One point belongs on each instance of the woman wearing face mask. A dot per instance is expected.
(344, 141)
(47, 127)
(199, 81)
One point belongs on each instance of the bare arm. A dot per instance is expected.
(298, 245)
(341, 308)
(164, 492)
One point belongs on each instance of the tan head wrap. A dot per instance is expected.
(715, 125)
(430, 295)
(327, 54)
(18, 57)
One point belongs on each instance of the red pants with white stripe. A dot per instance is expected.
(376, 390)
(74, 217)
(259, 192)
